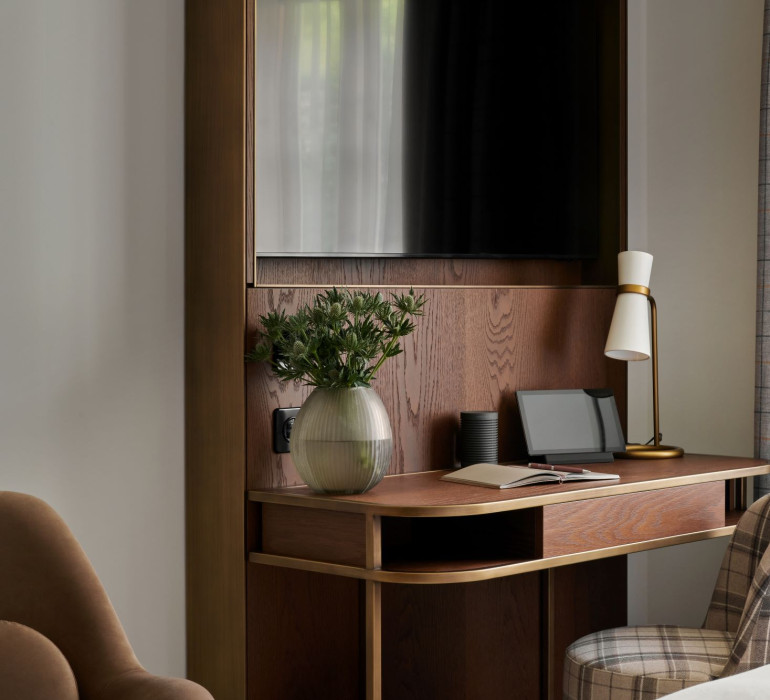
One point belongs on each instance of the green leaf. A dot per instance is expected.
(341, 340)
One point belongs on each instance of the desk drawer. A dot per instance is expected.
(581, 526)
(306, 533)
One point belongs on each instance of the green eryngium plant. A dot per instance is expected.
(341, 341)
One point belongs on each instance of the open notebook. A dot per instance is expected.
(498, 476)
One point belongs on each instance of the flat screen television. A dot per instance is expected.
(430, 128)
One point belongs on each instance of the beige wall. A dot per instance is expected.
(694, 79)
(91, 297)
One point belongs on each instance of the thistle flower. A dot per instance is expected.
(336, 312)
(341, 341)
(358, 303)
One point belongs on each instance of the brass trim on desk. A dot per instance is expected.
(277, 285)
(373, 610)
(484, 574)
(373, 641)
(548, 607)
(516, 502)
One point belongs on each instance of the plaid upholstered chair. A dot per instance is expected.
(643, 663)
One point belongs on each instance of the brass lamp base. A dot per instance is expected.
(636, 451)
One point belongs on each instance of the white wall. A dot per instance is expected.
(91, 295)
(694, 85)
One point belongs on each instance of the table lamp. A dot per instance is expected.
(629, 338)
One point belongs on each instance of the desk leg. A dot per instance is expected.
(549, 668)
(373, 640)
(373, 610)
(578, 599)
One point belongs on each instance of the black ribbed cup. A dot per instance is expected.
(478, 437)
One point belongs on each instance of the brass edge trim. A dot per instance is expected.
(469, 576)
(633, 289)
(329, 503)
(547, 631)
(373, 646)
(319, 567)
(373, 541)
(273, 285)
(251, 34)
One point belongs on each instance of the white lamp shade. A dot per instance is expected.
(634, 267)
(629, 336)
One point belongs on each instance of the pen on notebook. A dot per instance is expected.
(556, 468)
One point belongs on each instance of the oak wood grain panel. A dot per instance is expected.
(289, 272)
(322, 535)
(472, 350)
(304, 632)
(578, 600)
(733, 516)
(454, 642)
(214, 327)
(616, 520)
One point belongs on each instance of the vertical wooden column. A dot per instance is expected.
(215, 405)
(373, 610)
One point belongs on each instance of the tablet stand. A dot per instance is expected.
(578, 457)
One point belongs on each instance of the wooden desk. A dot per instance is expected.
(466, 591)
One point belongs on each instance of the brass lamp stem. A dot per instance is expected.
(656, 450)
(655, 410)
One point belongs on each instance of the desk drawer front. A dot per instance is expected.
(616, 520)
(322, 535)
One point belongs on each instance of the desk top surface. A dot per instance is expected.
(423, 494)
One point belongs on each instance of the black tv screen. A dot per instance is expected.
(427, 128)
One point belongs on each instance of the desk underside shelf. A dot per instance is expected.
(507, 579)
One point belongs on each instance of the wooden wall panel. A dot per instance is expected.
(304, 631)
(462, 642)
(290, 272)
(471, 351)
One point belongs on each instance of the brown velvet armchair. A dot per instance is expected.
(60, 638)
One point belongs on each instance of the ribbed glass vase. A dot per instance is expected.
(341, 441)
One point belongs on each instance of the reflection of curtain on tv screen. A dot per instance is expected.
(501, 128)
(328, 126)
